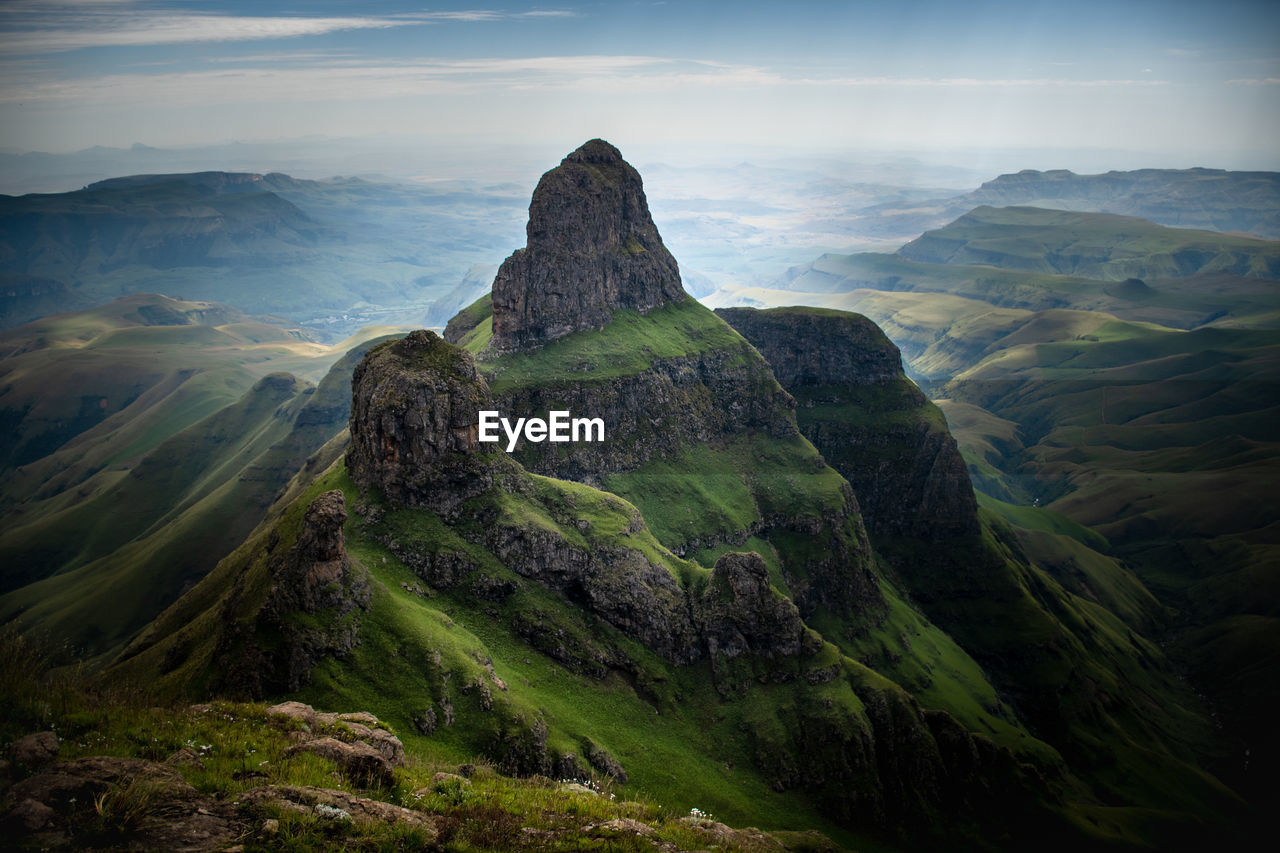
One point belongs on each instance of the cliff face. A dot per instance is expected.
(592, 249)
(869, 421)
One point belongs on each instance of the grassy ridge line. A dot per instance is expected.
(1183, 302)
(143, 530)
(1100, 245)
(179, 502)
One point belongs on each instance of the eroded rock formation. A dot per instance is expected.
(592, 249)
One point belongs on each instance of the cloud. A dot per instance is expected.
(303, 77)
(139, 30)
(1256, 81)
(332, 79)
(979, 82)
(30, 28)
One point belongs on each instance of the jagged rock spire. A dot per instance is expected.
(592, 249)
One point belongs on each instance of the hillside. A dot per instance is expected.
(1141, 412)
(173, 428)
(1093, 245)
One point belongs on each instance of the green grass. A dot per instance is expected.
(239, 747)
(189, 456)
(922, 659)
(630, 344)
(1039, 518)
(712, 491)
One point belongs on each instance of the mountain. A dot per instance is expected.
(362, 252)
(1211, 199)
(698, 606)
(1040, 260)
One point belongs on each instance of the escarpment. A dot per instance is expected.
(868, 420)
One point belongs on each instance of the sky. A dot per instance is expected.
(1185, 83)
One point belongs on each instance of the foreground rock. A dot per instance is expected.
(44, 809)
(363, 750)
(337, 805)
(33, 751)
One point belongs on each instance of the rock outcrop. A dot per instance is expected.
(414, 439)
(357, 743)
(869, 421)
(742, 613)
(311, 611)
(414, 424)
(592, 249)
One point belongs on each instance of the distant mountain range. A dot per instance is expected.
(330, 255)
(1214, 199)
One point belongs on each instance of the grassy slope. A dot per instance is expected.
(630, 344)
(185, 498)
(1153, 425)
(147, 499)
(241, 747)
(678, 740)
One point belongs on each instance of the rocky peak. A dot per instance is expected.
(592, 249)
(743, 613)
(311, 610)
(306, 578)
